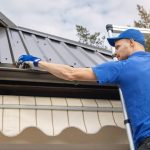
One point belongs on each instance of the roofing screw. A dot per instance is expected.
(74, 63)
(6, 58)
(50, 59)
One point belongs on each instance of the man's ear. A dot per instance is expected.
(132, 42)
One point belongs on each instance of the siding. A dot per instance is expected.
(20, 112)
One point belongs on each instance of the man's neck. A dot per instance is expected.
(138, 47)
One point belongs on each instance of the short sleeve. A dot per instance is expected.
(108, 73)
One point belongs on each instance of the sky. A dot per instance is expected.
(59, 17)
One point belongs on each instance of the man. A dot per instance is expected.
(131, 73)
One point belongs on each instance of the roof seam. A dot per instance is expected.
(83, 52)
(73, 54)
(50, 43)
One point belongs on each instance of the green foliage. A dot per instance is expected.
(143, 22)
(90, 39)
(95, 40)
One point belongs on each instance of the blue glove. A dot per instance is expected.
(28, 61)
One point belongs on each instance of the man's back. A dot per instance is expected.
(133, 77)
(135, 84)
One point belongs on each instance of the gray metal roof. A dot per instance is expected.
(16, 41)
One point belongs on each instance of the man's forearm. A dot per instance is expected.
(59, 70)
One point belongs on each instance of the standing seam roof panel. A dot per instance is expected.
(5, 56)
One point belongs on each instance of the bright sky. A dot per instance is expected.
(59, 17)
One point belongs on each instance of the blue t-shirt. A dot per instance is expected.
(133, 77)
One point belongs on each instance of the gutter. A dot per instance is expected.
(14, 81)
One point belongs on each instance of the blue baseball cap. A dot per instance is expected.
(134, 34)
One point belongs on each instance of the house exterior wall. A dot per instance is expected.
(33, 122)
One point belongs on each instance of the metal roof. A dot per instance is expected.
(5, 22)
(15, 41)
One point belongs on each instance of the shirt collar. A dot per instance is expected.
(138, 53)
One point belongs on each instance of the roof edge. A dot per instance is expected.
(5, 22)
(45, 84)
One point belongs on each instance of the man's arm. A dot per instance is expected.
(61, 71)
(68, 73)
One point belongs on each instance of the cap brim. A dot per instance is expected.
(112, 40)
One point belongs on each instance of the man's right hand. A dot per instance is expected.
(28, 61)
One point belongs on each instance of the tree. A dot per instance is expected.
(143, 22)
(90, 39)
